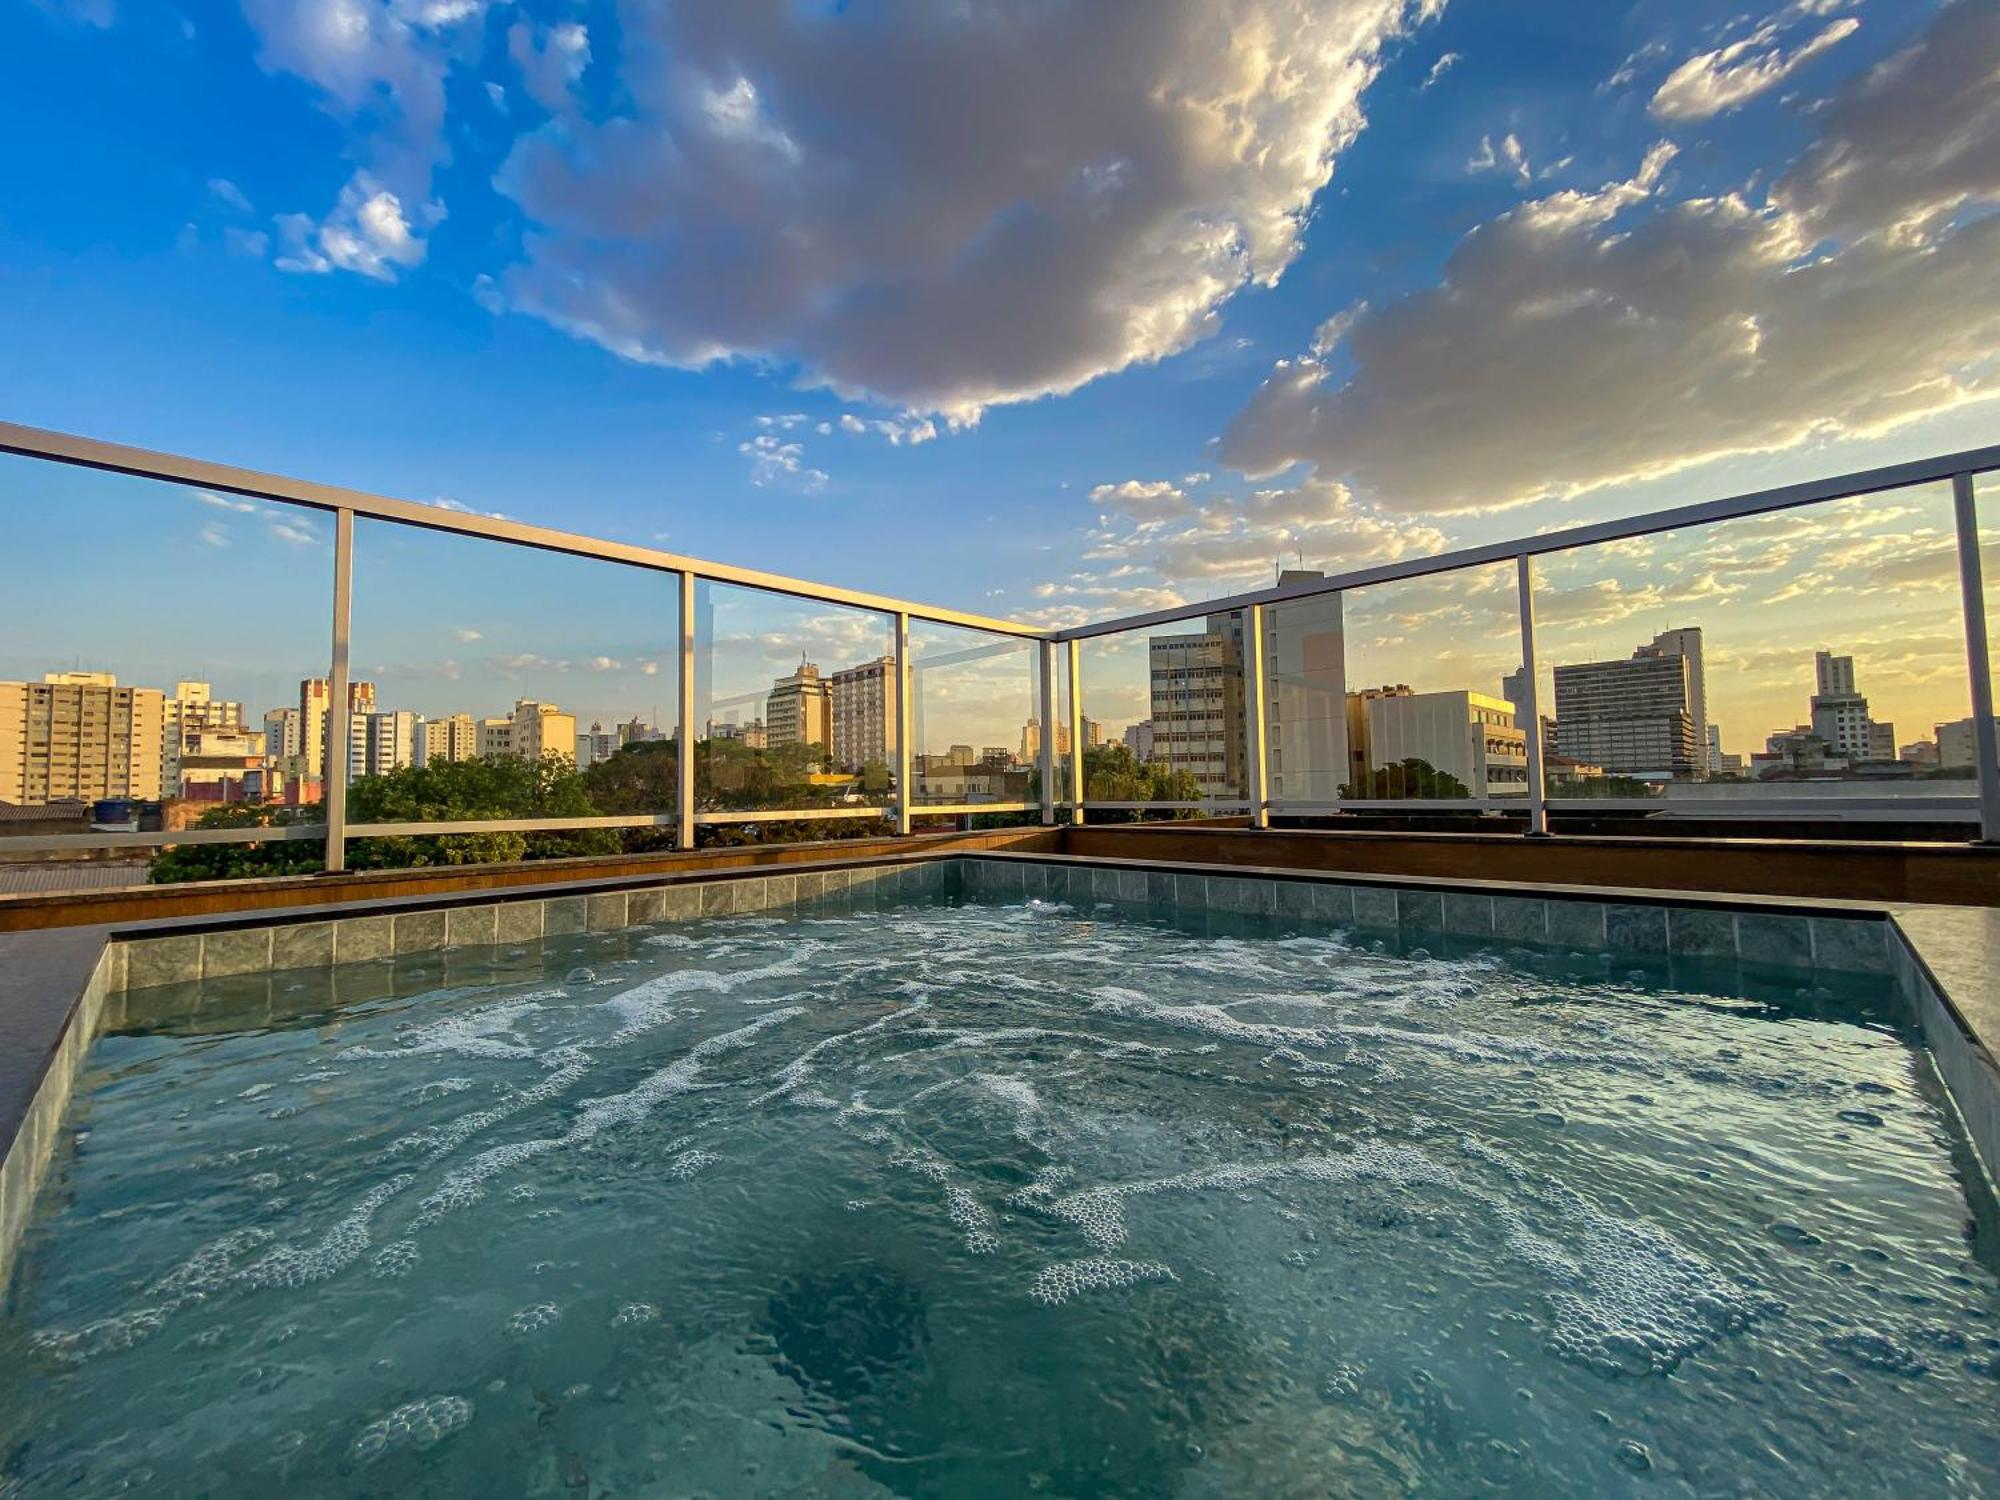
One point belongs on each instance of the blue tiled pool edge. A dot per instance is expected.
(1909, 945)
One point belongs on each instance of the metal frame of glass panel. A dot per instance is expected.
(1958, 469)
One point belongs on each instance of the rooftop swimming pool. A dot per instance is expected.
(963, 1198)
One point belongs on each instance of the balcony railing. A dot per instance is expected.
(1051, 671)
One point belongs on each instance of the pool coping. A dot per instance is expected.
(54, 982)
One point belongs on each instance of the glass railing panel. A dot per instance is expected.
(974, 702)
(1813, 656)
(148, 632)
(1163, 714)
(495, 682)
(1397, 691)
(795, 711)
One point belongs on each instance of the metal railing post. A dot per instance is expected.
(684, 824)
(333, 769)
(1538, 796)
(1978, 657)
(1045, 752)
(1255, 770)
(905, 793)
(1076, 787)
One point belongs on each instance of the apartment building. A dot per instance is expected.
(79, 736)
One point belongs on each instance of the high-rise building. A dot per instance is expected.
(594, 744)
(1305, 721)
(1468, 736)
(1632, 717)
(636, 731)
(1686, 644)
(1957, 746)
(315, 705)
(864, 710)
(800, 709)
(282, 733)
(1197, 702)
(453, 737)
(193, 709)
(1139, 740)
(542, 729)
(78, 736)
(1031, 738)
(389, 741)
(1839, 711)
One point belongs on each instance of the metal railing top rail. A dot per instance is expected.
(118, 458)
(1757, 503)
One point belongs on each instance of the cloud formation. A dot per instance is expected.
(941, 207)
(1711, 83)
(380, 66)
(1586, 339)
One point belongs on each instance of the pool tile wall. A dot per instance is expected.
(1849, 944)
(183, 957)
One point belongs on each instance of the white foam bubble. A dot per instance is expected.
(396, 1259)
(1099, 1212)
(465, 1185)
(488, 1032)
(1058, 1283)
(634, 1315)
(337, 1249)
(534, 1319)
(689, 1163)
(421, 1424)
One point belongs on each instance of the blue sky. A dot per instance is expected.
(1389, 277)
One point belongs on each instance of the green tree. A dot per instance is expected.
(1406, 778)
(488, 788)
(238, 861)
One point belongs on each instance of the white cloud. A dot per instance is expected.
(1587, 339)
(1142, 499)
(229, 193)
(1509, 157)
(943, 207)
(253, 243)
(214, 534)
(467, 636)
(772, 460)
(226, 502)
(292, 532)
(1444, 64)
(380, 65)
(1711, 83)
(551, 59)
(367, 232)
(605, 664)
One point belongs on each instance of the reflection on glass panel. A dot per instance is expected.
(795, 704)
(974, 702)
(147, 632)
(1163, 712)
(1811, 653)
(491, 681)
(1397, 691)
(1986, 508)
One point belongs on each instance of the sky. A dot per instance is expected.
(1049, 311)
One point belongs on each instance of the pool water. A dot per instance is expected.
(962, 1199)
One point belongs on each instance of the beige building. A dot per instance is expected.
(530, 732)
(453, 737)
(1197, 704)
(78, 736)
(1468, 736)
(315, 704)
(800, 709)
(864, 714)
(193, 710)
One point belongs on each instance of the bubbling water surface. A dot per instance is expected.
(962, 1199)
